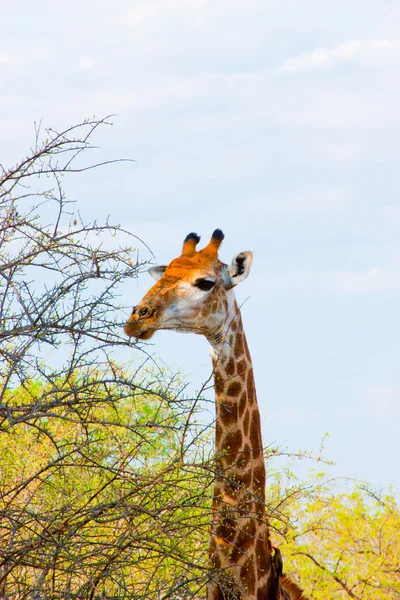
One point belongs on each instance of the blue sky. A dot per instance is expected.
(278, 122)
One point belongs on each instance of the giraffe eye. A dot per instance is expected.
(205, 285)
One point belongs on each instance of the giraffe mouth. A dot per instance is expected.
(139, 335)
(135, 329)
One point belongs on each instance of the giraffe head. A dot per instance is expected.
(192, 294)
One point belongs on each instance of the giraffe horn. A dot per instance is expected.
(189, 243)
(215, 242)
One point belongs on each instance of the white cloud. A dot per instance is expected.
(15, 58)
(192, 9)
(86, 62)
(366, 51)
(136, 15)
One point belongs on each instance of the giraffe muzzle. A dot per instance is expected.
(139, 323)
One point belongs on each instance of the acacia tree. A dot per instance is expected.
(99, 464)
(341, 540)
(58, 274)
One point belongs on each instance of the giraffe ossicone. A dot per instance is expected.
(194, 294)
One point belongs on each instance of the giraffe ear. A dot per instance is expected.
(240, 267)
(157, 272)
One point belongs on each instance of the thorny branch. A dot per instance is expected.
(91, 499)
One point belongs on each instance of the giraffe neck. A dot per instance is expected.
(240, 548)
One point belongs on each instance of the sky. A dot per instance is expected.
(276, 121)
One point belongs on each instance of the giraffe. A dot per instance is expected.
(194, 293)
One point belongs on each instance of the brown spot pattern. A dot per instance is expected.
(230, 367)
(250, 387)
(258, 478)
(262, 592)
(228, 413)
(247, 351)
(226, 528)
(238, 439)
(238, 345)
(246, 421)
(218, 383)
(242, 367)
(255, 431)
(242, 404)
(234, 389)
(218, 434)
(231, 445)
(246, 452)
(261, 553)
(248, 576)
(243, 478)
(217, 492)
(245, 539)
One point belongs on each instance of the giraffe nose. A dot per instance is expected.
(141, 312)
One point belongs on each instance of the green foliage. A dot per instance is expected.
(104, 497)
(340, 545)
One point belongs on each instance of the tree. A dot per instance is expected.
(58, 275)
(100, 489)
(96, 501)
(343, 544)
